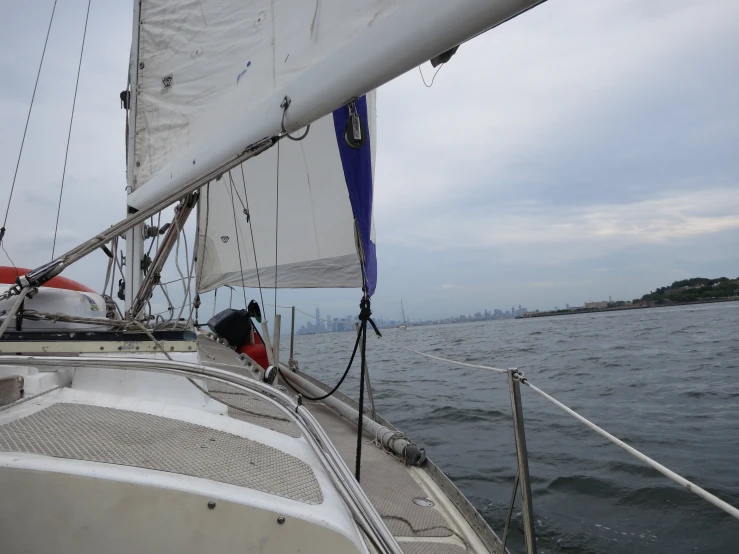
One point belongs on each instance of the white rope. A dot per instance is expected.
(453, 362)
(692, 487)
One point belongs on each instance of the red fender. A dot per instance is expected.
(8, 276)
(256, 351)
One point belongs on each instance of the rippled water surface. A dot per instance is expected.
(664, 380)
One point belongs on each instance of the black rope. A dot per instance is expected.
(251, 231)
(69, 134)
(365, 316)
(360, 427)
(333, 390)
(238, 242)
(25, 130)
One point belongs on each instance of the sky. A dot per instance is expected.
(580, 151)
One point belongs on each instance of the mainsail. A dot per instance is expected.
(309, 218)
(212, 74)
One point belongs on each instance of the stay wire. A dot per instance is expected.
(251, 231)
(69, 134)
(238, 242)
(199, 277)
(25, 130)
(277, 219)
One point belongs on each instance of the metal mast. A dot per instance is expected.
(133, 273)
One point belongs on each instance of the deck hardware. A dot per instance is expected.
(281, 520)
(285, 105)
(424, 502)
(211, 504)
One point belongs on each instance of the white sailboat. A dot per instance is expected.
(404, 324)
(122, 432)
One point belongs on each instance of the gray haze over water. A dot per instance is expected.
(664, 380)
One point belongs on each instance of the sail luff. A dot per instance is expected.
(410, 35)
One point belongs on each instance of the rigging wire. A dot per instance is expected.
(277, 219)
(251, 231)
(69, 134)
(25, 130)
(199, 277)
(238, 241)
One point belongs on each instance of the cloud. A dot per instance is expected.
(580, 150)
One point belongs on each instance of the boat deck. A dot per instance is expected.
(410, 511)
(419, 505)
(419, 514)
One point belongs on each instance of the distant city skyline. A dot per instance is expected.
(328, 324)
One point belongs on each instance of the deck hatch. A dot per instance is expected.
(123, 437)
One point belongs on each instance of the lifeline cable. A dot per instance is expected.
(454, 362)
(692, 487)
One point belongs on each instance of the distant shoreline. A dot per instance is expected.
(530, 315)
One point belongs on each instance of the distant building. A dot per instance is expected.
(602, 304)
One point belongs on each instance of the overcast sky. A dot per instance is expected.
(583, 150)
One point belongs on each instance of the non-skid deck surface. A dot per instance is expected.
(248, 407)
(241, 405)
(123, 437)
(389, 486)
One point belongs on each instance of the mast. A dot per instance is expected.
(133, 274)
(402, 311)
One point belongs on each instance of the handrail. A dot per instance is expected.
(362, 509)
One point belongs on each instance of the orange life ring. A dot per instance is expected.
(8, 276)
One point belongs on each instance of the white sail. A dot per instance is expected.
(316, 244)
(213, 73)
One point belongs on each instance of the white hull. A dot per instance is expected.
(126, 453)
